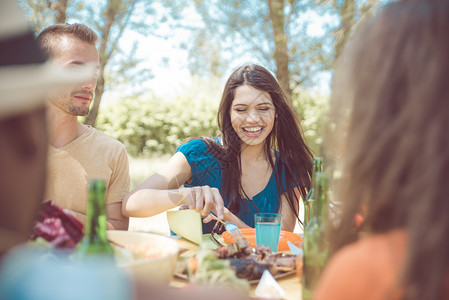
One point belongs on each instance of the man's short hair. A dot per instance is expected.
(50, 36)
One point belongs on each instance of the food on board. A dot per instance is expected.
(245, 262)
(250, 263)
(212, 271)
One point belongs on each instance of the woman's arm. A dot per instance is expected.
(288, 216)
(162, 191)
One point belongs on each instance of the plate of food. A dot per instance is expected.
(235, 264)
(250, 235)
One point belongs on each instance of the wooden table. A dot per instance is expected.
(291, 284)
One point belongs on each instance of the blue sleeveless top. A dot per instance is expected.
(207, 170)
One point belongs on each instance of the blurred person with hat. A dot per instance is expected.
(79, 152)
(27, 76)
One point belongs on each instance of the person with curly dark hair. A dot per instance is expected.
(393, 84)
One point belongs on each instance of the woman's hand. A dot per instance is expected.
(204, 199)
(229, 217)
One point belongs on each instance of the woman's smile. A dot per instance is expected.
(253, 130)
(252, 114)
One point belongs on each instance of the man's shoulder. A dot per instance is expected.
(102, 139)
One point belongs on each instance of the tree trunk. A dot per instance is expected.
(347, 16)
(280, 39)
(111, 12)
(91, 118)
(60, 7)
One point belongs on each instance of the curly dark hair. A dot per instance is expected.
(392, 83)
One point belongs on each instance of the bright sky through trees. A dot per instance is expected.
(167, 61)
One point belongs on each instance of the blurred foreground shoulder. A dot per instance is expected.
(364, 270)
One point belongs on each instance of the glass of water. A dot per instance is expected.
(268, 229)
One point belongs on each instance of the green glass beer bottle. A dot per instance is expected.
(315, 243)
(309, 201)
(95, 240)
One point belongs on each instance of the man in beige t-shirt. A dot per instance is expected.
(78, 152)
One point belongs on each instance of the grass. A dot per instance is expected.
(140, 169)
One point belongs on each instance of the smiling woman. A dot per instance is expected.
(252, 114)
(261, 162)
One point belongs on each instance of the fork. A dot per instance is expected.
(234, 231)
(217, 242)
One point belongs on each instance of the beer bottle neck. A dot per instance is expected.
(320, 194)
(96, 220)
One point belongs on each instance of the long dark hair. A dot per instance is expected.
(395, 76)
(295, 157)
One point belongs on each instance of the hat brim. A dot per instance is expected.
(25, 87)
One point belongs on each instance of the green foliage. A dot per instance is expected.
(157, 126)
(154, 126)
(239, 32)
(313, 112)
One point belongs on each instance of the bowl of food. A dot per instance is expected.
(148, 257)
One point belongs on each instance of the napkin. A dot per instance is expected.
(295, 250)
(268, 287)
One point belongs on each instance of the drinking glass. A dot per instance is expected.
(268, 229)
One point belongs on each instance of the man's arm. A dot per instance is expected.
(116, 220)
(79, 216)
(117, 190)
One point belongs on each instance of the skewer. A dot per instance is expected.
(217, 219)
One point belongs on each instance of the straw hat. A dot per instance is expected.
(27, 75)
